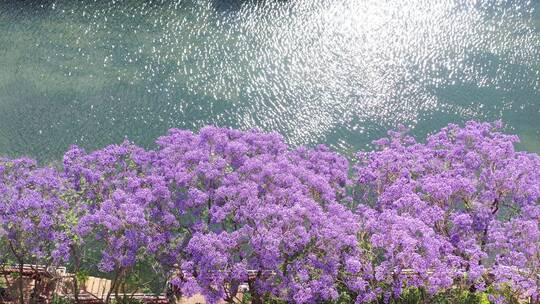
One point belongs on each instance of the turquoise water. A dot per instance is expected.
(338, 72)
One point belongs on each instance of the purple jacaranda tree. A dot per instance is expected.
(432, 206)
(222, 207)
(31, 219)
(515, 239)
(122, 208)
(516, 271)
(252, 211)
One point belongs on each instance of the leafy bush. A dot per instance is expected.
(60, 300)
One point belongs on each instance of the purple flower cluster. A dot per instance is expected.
(224, 207)
(120, 202)
(32, 214)
(245, 202)
(461, 210)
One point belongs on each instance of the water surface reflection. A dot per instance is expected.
(338, 72)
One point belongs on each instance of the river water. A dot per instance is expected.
(339, 72)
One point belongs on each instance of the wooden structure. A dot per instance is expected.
(37, 282)
(95, 290)
(57, 281)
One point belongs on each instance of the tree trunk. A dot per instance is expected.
(8, 285)
(21, 283)
(76, 289)
(76, 271)
(117, 287)
(34, 295)
(113, 286)
(256, 298)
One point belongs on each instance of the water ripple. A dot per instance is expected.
(338, 72)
